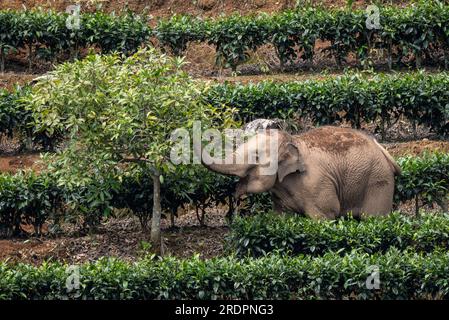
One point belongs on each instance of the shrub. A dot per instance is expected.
(405, 275)
(27, 198)
(424, 178)
(45, 34)
(413, 32)
(421, 98)
(263, 233)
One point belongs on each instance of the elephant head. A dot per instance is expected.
(267, 157)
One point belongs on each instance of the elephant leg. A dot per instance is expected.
(316, 213)
(325, 206)
(378, 201)
(277, 206)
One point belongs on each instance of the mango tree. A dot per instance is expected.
(119, 113)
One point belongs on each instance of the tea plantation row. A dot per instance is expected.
(355, 98)
(33, 199)
(263, 233)
(419, 31)
(401, 275)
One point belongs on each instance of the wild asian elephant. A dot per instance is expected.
(323, 173)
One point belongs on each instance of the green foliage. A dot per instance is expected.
(403, 275)
(12, 115)
(92, 197)
(27, 198)
(45, 33)
(235, 36)
(424, 178)
(294, 33)
(119, 114)
(415, 31)
(112, 107)
(16, 120)
(355, 98)
(176, 32)
(193, 185)
(263, 233)
(124, 33)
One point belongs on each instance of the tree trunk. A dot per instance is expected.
(155, 236)
(172, 219)
(368, 56)
(443, 204)
(416, 206)
(418, 60)
(197, 209)
(231, 209)
(382, 128)
(415, 133)
(143, 219)
(29, 140)
(445, 60)
(203, 216)
(2, 61)
(30, 57)
(390, 55)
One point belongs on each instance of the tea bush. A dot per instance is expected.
(403, 275)
(356, 98)
(45, 33)
(425, 179)
(415, 33)
(263, 233)
(27, 198)
(421, 98)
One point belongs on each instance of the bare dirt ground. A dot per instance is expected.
(19, 162)
(164, 8)
(122, 238)
(10, 79)
(415, 148)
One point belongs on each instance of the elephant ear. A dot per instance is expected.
(290, 160)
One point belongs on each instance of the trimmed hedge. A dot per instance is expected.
(419, 97)
(424, 179)
(15, 120)
(417, 31)
(27, 198)
(405, 275)
(45, 34)
(12, 116)
(263, 233)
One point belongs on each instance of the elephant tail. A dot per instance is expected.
(394, 166)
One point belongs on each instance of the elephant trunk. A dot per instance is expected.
(227, 166)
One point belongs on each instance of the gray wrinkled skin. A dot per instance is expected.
(323, 173)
